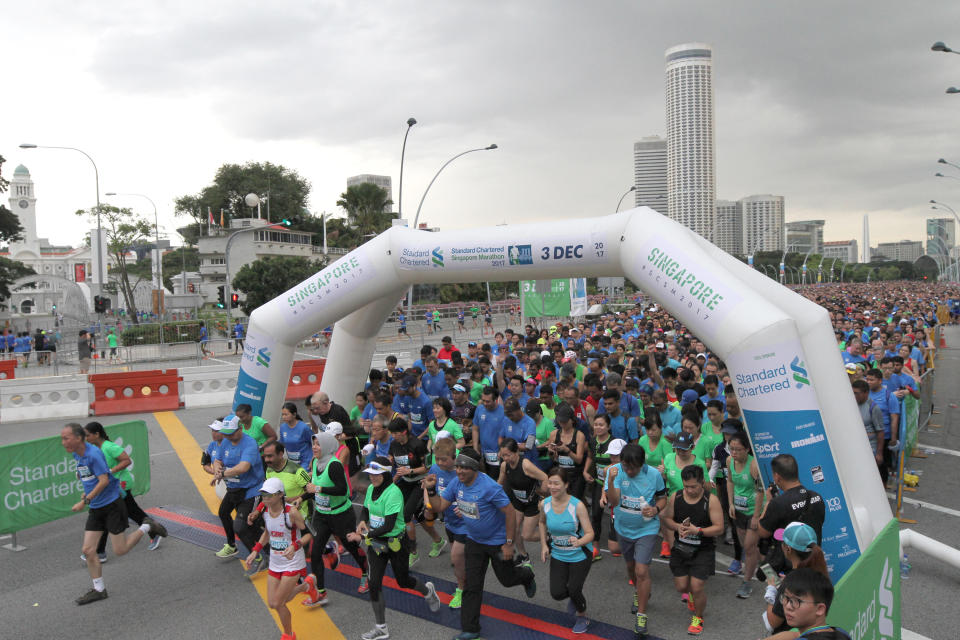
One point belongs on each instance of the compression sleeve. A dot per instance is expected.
(389, 521)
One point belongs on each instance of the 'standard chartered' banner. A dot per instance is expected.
(554, 303)
(782, 415)
(39, 482)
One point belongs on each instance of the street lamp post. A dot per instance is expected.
(427, 190)
(158, 283)
(403, 152)
(831, 269)
(628, 191)
(101, 267)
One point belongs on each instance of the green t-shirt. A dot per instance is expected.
(327, 504)
(548, 413)
(112, 340)
(256, 430)
(476, 390)
(674, 481)
(295, 479)
(544, 429)
(389, 502)
(708, 442)
(355, 413)
(450, 426)
(656, 456)
(744, 487)
(112, 451)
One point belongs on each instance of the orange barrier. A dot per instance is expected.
(8, 369)
(135, 392)
(305, 377)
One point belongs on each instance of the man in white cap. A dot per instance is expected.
(241, 468)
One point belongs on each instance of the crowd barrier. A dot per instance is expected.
(135, 392)
(305, 377)
(208, 386)
(8, 369)
(37, 398)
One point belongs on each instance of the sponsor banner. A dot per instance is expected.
(553, 303)
(39, 482)
(468, 254)
(324, 288)
(866, 601)
(783, 416)
(578, 297)
(693, 292)
(80, 273)
(254, 371)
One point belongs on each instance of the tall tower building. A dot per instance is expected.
(729, 234)
(23, 202)
(762, 223)
(650, 173)
(866, 238)
(384, 182)
(941, 236)
(691, 175)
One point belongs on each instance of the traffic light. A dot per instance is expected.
(54, 308)
(221, 300)
(234, 300)
(285, 222)
(99, 304)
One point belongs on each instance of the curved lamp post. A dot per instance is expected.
(403, 152)
(625, 194)
(437, 174)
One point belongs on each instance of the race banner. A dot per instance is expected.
(39, 482)
(539, 302)
(578, 297)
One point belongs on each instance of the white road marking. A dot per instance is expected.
(927, 505)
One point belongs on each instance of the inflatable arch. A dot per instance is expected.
(778, 346)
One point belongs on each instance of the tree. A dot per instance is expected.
(125, 231)
(263, 280)
(288, 192)
(174, 261)
(365, 204)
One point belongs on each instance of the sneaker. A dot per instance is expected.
(312, 594)
(640, 628)
(414, 557)
(596, 554)
(531, 587)
(364, 584)
(523, 560)
(320, 601)
(636, 604)
(467, 635)
(83, 559)
(92, 596)
(102, 557)
(154, 543)
(288, 636)
(331, 559)
(228, 551)
(379, 632)
(664, 549)
(433, 600)
(745, 590)
(457, 600)
(437, 548)
(581, 625)
(156, 529)
(684, 597)
(690, 604)
(696, 626)
(735, 568)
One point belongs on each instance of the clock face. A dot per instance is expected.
(24, 204)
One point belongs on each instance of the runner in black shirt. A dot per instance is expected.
(793, 503)
(409, 457)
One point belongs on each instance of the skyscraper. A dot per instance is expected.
(691, 176)
(729, 234)
(866, 238)
(650, 173)
(762, 223)
(941, 236)
(805, 236)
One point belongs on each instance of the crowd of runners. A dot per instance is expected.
(537, 451)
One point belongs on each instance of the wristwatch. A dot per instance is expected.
(86, 499)
(509, 540)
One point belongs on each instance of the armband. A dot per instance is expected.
(257, 548)
(296, 544)
(431, 492)
(205, 459)
(304, 532)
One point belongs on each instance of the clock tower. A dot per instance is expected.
(23, 202)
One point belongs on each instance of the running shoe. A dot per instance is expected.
(531, 587)
(664, 549)
(154, 543)
(312, 593)
(92, 596)
(437, 547)
(83, 559)
(596, 554)
(684, 597)
(156, 529)
(581, 625)
(228, 551)
(320, 601)
(636, 604)
(457, 600)
(696, 626)
(525, 561)
(331, 559)
(745, 590)
(379, 632)
(288, 636)
(690, 604)
(735, 568)
(364, 584)
(467, 635)
(433, 600)
(102, 557)
(414, 557)
(640, 628)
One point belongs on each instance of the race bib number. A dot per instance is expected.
(469, 509)
(520, 495)
(322, 501)
(491, 458)
(402, 461)
(279, 546)
(562, 541)
(376, 521)
(740, 503)
(83, 472)
(601, 471)
(293, 456)
(565, 462)
(631, 504)
(232, 480)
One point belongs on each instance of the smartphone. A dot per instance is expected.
(769, 573)
(686, 522)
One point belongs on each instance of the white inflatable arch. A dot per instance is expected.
(779, 347)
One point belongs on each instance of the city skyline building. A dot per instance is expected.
(941, 237)
(845, 250)
(763, 224)
(650, 173)
(866, 238)
(904, 250)
(805, 236)
(729, 222)
(384, 182)
(691, 171)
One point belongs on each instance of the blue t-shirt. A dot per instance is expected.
(561, 526)
(380, 449)
(214, 449)
(489, 427)
(523, 398)
(244, 451)
(888, 404)
(451, 521)
(402, 319)
(636, 492)
(520, 431)
(849, 358)
(203, 334)
(238, 331)
(628, 406)
(624, 429)
(480, 505)
(298, 441)
(434, 386)
(421, 413)
(90, 465)
(369, 412)
(671, 419)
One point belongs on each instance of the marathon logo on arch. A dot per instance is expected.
(326, 287)
(799, 373)
(263, 357)
(436, 257)
(772, 378)
(520, 254)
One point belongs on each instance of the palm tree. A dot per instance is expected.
(366, 205)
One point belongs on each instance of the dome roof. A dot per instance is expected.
(21, 171)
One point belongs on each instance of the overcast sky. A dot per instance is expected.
(837, 106)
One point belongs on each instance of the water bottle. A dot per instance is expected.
(643, 505)
(904, 567)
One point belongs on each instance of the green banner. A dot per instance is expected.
(38, 479)
(552, 303)
(911, 416)
(866, 602)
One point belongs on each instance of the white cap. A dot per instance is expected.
(544, 353)
(272, 486)
(216, 425)
(333, 428)
(615, 447)
(230, 426)
(375, 468)
(443, 433)
(368, 449)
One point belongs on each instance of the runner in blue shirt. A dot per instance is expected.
(402, 325)
(890, 407)
(487, 517)
(488, 420)
(237, 338)
(414, 405)
(241, 468)
(444, 452)
(204, 338)
(296, 436)
(101, 492)
(433, 382)
(520, 427)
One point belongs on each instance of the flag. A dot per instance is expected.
(209, 219)
(221, 217)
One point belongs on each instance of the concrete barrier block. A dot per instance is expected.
(44, 398)
(208, 386)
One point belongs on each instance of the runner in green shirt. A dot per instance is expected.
(746, 489)
(654, 444)
(255, 426)
(112, 343)
(443, 422)
(294, 477)
(674, 463)
(545, 426)
(710, 434)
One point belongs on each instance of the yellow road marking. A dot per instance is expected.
(309, 624)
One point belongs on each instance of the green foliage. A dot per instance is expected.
(266, 278)
(365, 204)
(10, 270)
(10, 227)
(287, 189)
(185, 331)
